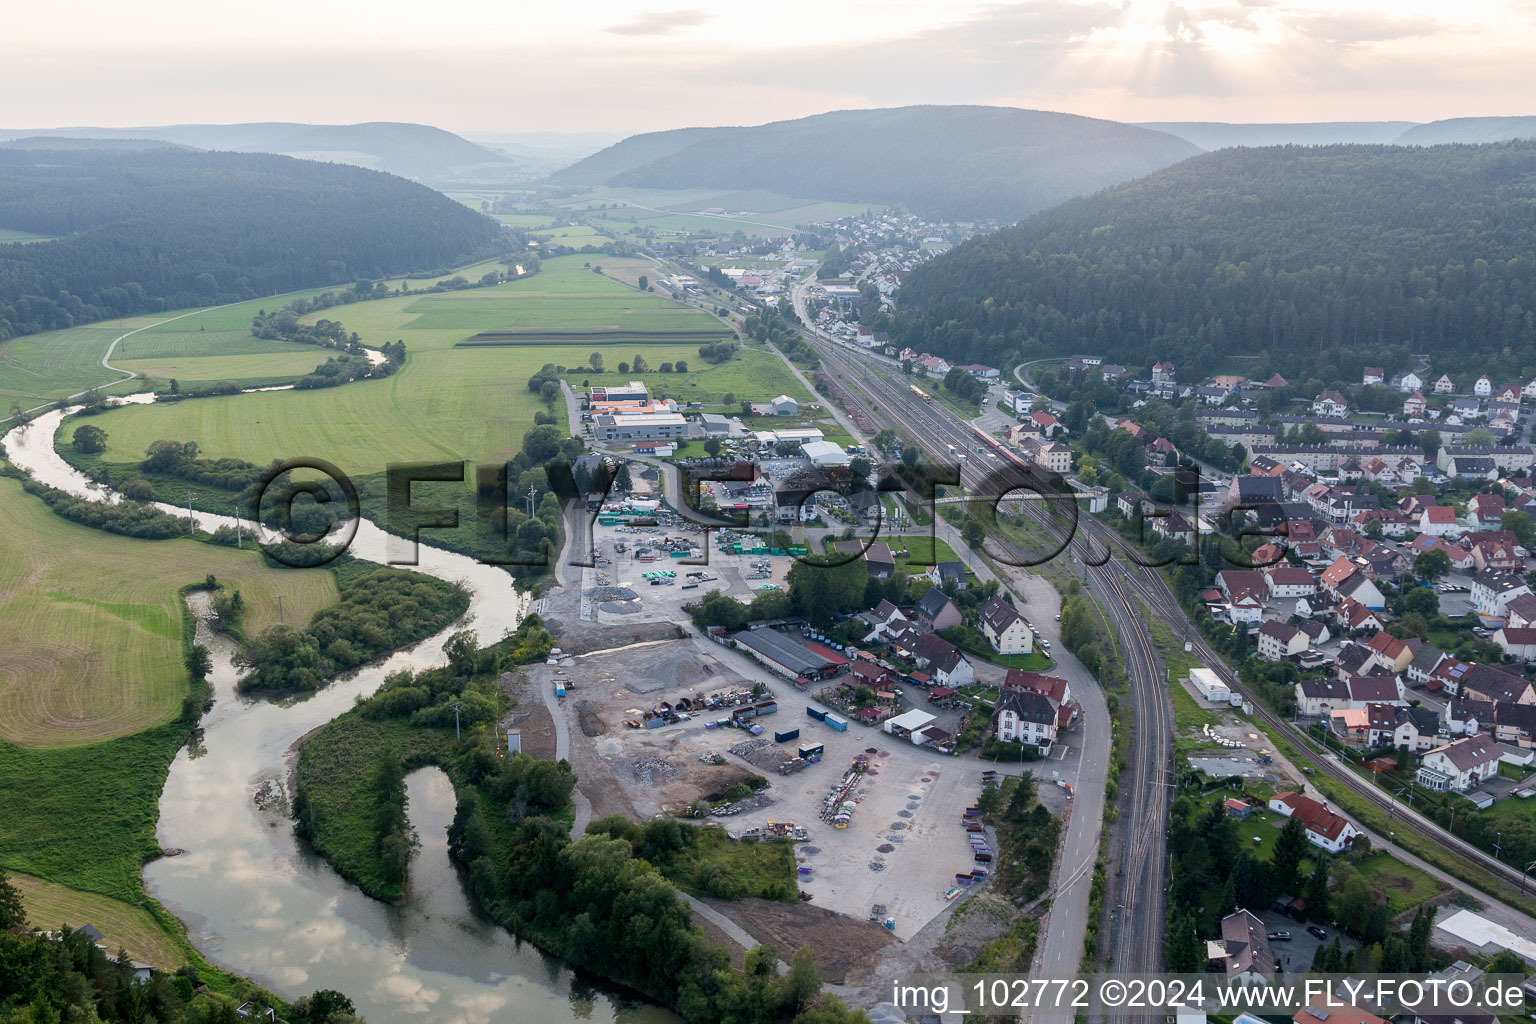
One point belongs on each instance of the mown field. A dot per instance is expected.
(90, 622)
(750, 211)
(40, 368)
(451, 401)
(122, 925)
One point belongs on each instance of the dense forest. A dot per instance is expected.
(1327, 258)
(948, 161)
(149, 230)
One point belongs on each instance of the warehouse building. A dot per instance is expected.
(656, 427)
(788, 658)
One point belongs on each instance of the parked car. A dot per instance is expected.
(1316, 932)
(1279, 936)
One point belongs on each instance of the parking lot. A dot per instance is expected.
(907, 805)
(616, 591)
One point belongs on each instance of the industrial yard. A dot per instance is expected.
(881, 818)
(619, 589)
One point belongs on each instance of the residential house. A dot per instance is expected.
(1517, 642)
(1325, 829)
(946, 665)
(1424, 662)
(1330, 403)
(1243, 949)
(1482, 387)
(1252, 492)
(1409, 382)
(1439, 521)
(1317, 697)
(1521, 611)
(1416, 729)
(1444, 385)
(1004, 628)
(1364, 728)
(1024, 716)
(1459, 766)
(1374, 375)
(1361, 588)
(1461, 558)
(1485, 510)
(1492, 591)
(1278, 641)
(883, 620)
(1353, 617)
(1469, 467)
(948, 572)
(1464, 717)
(935, 611)
(1515, 724)
(1045, 424)
(1288, 581)
(1414, 405)
(1485, 682)
(1390, 653)
(1375, 689)
(1447, 676)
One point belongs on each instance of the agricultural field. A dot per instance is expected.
(524, 220)
(91, 623)
(39, 368)
(748, 210)
(576, 236)
(453, 401)
(122, 925)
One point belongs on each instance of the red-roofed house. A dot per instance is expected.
(1439, 521)
(1324, 828)
(1389, 652)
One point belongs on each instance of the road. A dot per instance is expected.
(1135, 942)
(1065, 927)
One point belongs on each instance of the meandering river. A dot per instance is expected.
(256, 901)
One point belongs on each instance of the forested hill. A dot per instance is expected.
(1342, 255)
(148, 230)
(946, 161)
(410, 150)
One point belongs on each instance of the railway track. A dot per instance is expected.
(1138, 888)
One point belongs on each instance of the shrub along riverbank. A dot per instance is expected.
(381, 610)
(602, 901)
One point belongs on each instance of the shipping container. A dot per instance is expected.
(559, 689)
(837, 722)
(811, 751)
(786, 736)
(816, 713)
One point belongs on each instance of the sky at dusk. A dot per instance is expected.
(587, 65)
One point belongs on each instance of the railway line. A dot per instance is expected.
(1137, 890)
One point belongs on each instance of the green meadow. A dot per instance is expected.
(450, 401)
(90, 622)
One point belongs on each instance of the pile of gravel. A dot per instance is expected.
(611, 594)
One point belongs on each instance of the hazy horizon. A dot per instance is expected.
(604, 66)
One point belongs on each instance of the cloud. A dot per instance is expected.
(661, 23)
(1355, 27)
